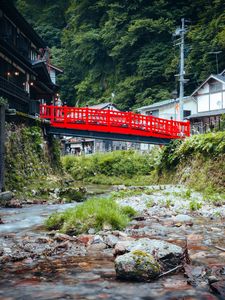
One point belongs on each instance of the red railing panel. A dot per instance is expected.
(113, 121)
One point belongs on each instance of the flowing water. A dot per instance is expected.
(92, 276)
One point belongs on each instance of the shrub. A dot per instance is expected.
(126, 164)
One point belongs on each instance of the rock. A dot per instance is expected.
(72, 194)
(91, 231)
(5, 197)
(121, 247)
(219, 288)
(139, 218)
(43, 240)
(120, 234)
(195, 237)
(119, 187)
(169, 255)
(182, 218)
(97, 240)
(212, 279)
(111, 240)
(63, 237)
(198, 255)
(97, 247)
(137, 265)
(14, 203)
(85, 239)
(107, 227)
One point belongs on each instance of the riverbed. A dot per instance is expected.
(75, 273)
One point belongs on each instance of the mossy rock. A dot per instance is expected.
(73, 194)
(137, 265)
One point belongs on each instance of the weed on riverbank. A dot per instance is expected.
(94, 213)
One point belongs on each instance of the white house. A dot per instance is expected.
(210, 100)
(169, 109)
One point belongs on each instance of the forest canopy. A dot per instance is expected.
(127, 47)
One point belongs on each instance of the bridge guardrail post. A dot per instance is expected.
(52, 110)
(65, 114)
(130, 119)
(86, 117)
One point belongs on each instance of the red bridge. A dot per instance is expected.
(110, 124)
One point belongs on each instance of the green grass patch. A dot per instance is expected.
(94, 213)
(194, 205)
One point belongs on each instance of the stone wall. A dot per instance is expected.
(30, 155)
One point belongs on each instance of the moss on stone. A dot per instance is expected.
(28, 157)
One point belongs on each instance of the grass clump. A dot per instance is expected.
(129, 211)
(93, 213)
(195, 205)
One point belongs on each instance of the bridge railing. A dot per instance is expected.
(113, 121)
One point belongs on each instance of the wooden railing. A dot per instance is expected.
(13, 89)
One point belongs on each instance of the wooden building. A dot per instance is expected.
(26, 75)
(210, 101)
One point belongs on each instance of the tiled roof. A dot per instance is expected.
(102, 105)
(161, 103)
(216, 112)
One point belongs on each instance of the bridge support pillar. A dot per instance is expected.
(2, 148)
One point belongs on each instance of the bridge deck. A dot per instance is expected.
(113, 122)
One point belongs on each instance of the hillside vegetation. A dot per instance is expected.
(127, 46)
(199, 162)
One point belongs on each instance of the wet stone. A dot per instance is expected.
(137, 265)
(169, 255)
(182, 218)
(219, 288)
(111, 240)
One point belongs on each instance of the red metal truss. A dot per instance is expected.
(89, 119)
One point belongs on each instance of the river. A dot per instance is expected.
(92, 275)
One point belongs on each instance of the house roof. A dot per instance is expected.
(161, 103)
(55, 68)
(41, 69)
(216, 112)
(9, 9)
(218, 77)
(102, 105)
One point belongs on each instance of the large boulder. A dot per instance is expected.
(169, 255)
(137, 265)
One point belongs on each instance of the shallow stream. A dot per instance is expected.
(92, 275)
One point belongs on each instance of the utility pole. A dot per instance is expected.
(181, 33)
(181, 75)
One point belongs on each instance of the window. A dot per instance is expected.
(187, 113)
(154, 113)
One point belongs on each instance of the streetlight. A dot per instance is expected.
(216, 53)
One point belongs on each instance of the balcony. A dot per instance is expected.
(12, 89)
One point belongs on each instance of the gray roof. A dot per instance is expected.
(102, 105)
(161, 103)
(210, 113)
(218, 77)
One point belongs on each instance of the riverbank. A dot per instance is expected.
(198, 162)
